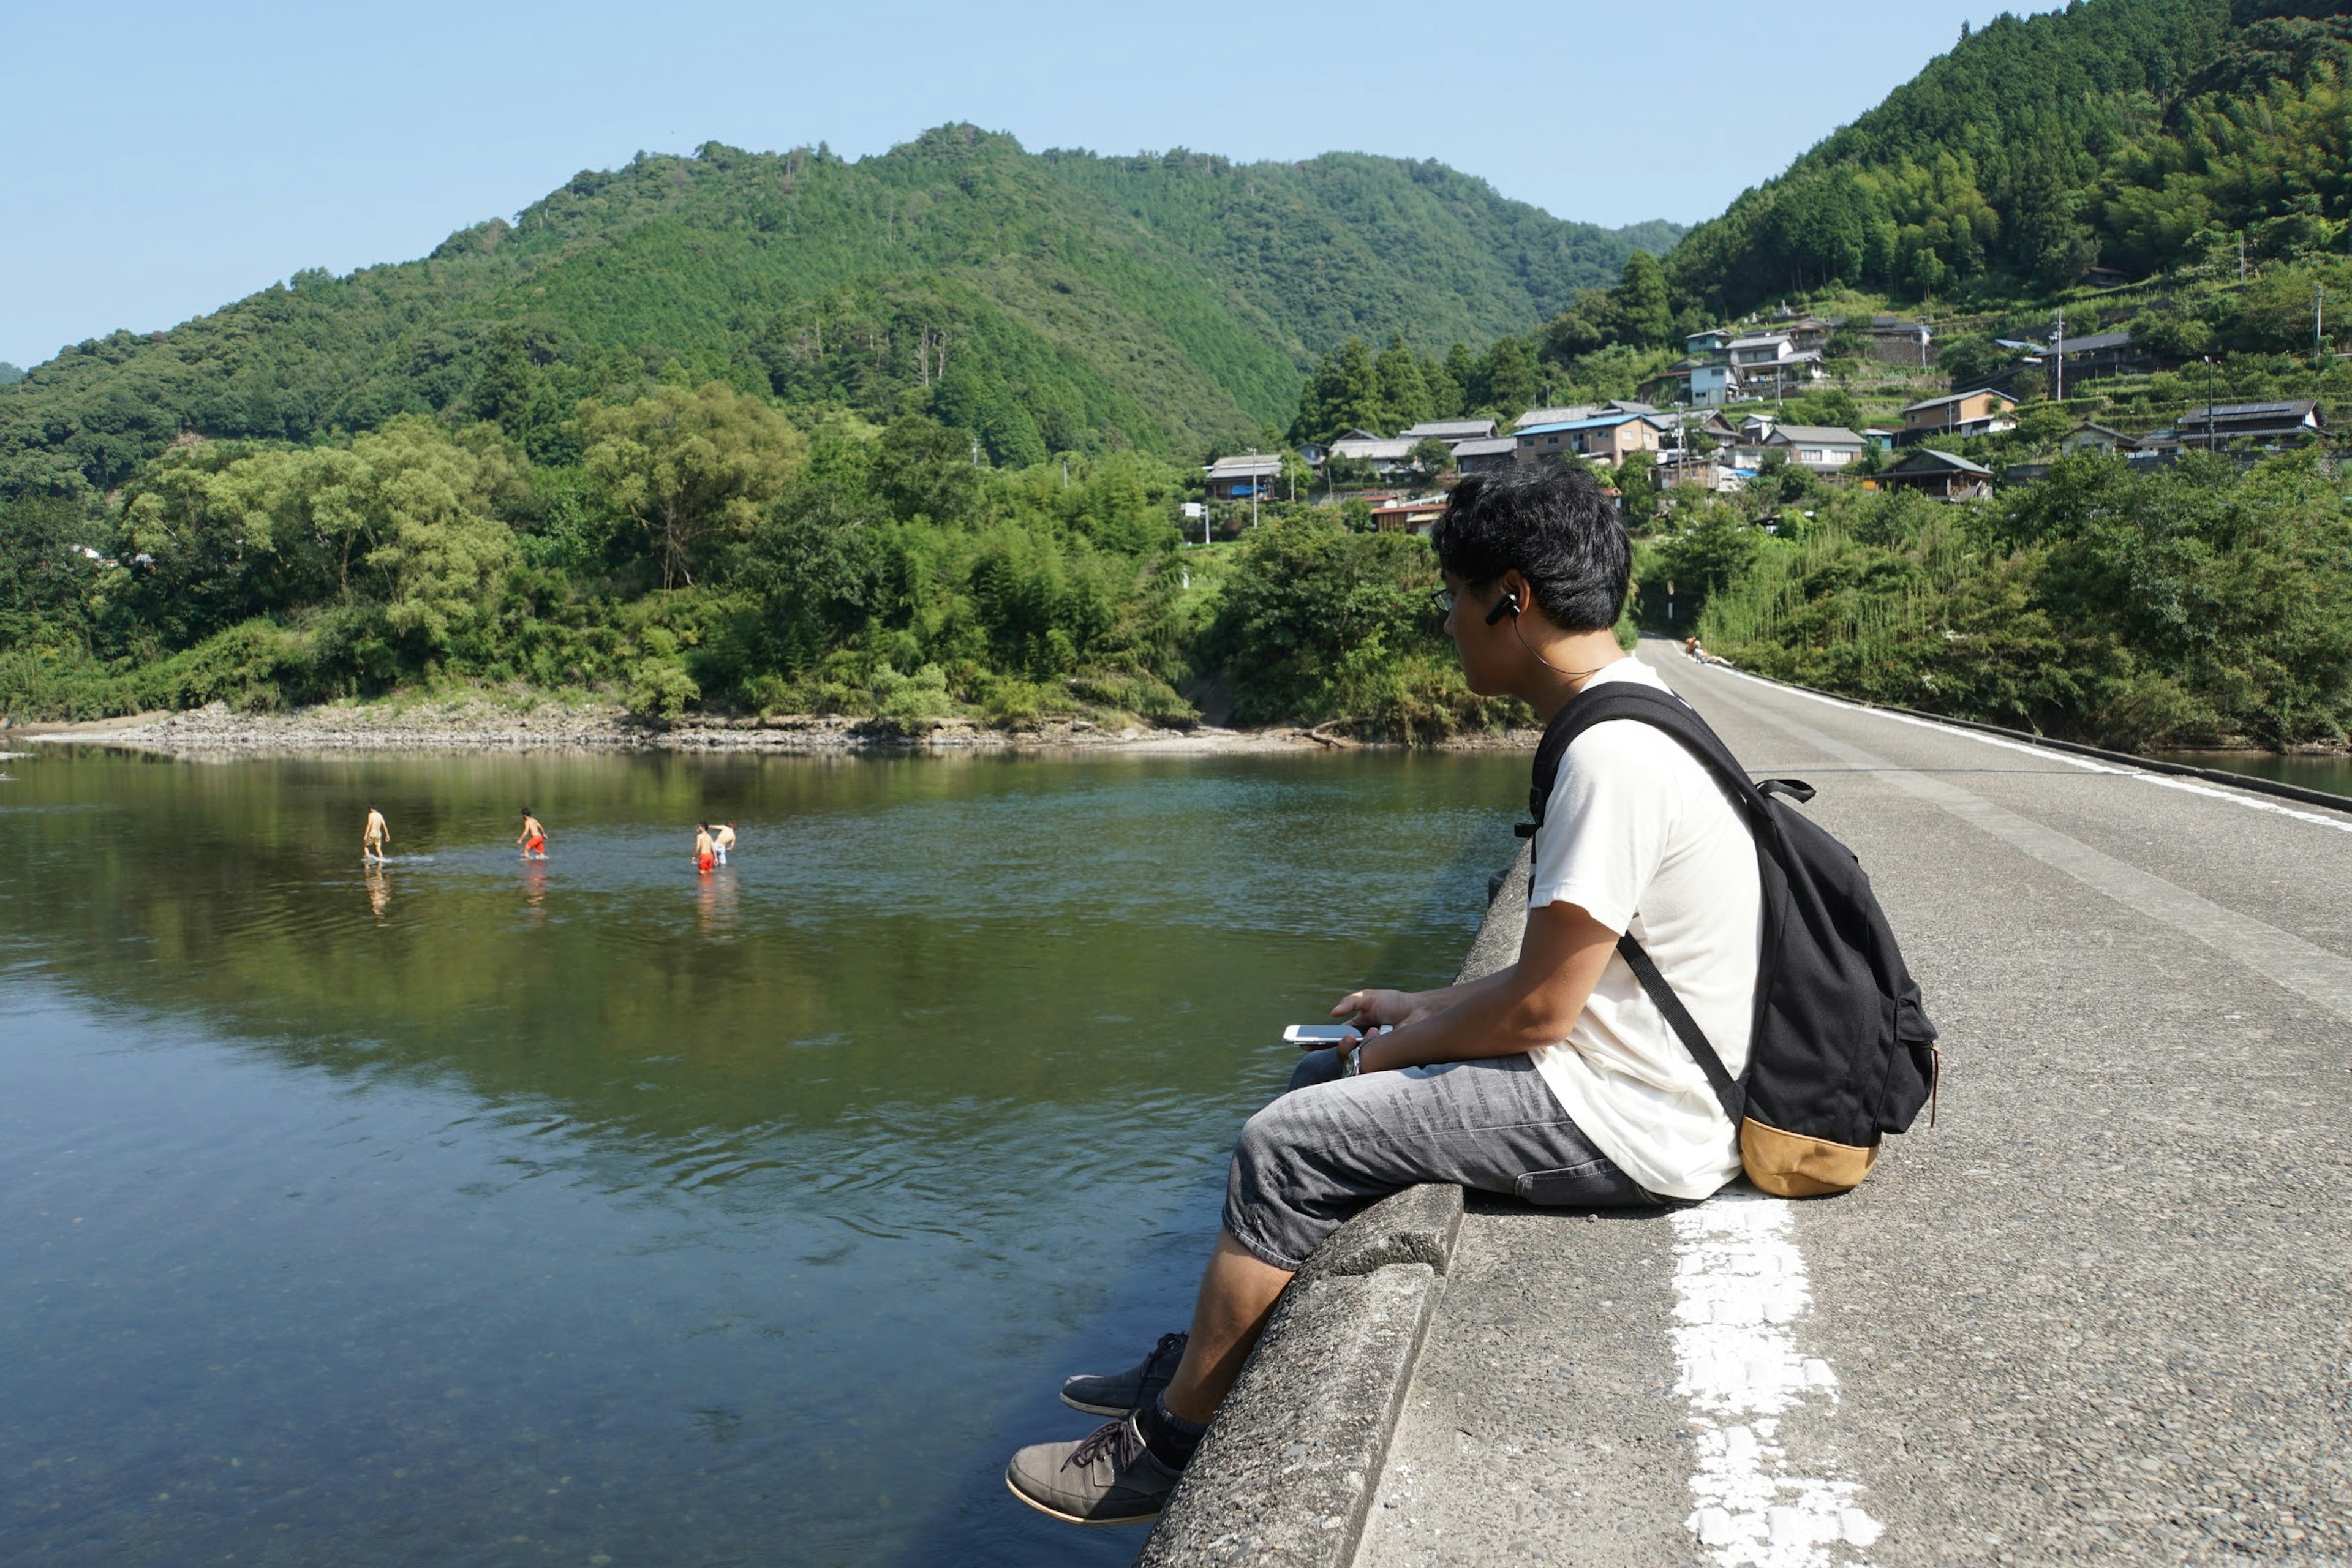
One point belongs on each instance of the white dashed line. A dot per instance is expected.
(1739, 1289)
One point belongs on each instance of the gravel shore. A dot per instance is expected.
(475, 726)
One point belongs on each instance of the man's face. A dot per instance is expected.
(1485, 661)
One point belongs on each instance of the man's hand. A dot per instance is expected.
(1366, 1009)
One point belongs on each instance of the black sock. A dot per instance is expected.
(1169, 1436)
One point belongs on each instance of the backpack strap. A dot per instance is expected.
(1660, 710)
(1664, 710)
(1693, 1038)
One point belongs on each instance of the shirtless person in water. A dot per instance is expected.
(533, 837)
(373, 837)
(722, 838)
(704, 850)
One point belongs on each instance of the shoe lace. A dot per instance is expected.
(1117, 1441)
(1169, 1346)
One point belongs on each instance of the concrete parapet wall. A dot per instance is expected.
(1286, 1474)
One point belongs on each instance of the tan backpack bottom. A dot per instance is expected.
(1792, 1165)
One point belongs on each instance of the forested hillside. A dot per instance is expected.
(1046, 303)
(2136, 134)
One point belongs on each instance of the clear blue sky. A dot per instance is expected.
(161, 161)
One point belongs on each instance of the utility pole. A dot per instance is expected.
(2058, 361)
(2318, 322)
(2242, 256)
(1257, 484)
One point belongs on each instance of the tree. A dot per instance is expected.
(403, 519)
(1506, 382)
(1431, 455)
(1404, 391)
(1645, 316)
(1343, 394)
(924, 469)
(1589, 325)
(690, 467)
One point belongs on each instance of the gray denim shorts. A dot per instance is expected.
(1332, 1144)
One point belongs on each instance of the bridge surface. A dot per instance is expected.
(2101, 1313)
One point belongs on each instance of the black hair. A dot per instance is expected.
(1553, 526)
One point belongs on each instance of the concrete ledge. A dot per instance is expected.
(1415, 1225)
(1286, 1473)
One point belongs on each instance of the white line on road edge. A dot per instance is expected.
(1739, 1285)
(2051, 753)
(2279, 956)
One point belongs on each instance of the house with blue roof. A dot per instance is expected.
(1600, 438)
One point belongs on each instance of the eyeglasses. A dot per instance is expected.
(1444, 599)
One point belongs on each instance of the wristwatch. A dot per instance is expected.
(1348, 1055)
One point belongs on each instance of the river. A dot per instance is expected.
(2329, 770)
(600, 1213)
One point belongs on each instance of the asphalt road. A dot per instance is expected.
(2101, 1313)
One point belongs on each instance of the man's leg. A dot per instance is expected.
(1237, 1295)
(1300, 1168)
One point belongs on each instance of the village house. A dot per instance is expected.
(2097, 354)
(1603, 438)
(1817, 448)
(1946, 476)
(1390, 456)
(1771, 362)
(2270, 425)
(1489, 456)
(1410, 516)
(1449, 430)
(1713, 471)
(1807, 334)
(1554, 415)
(1979, 413)
(1238, 478)
(2095, 437)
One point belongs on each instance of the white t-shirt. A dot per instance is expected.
(1638, 833)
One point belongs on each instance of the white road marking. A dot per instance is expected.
(2277, 955)
(1740, 1289)
(2048, 754)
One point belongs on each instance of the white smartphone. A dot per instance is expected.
(1307, 1037)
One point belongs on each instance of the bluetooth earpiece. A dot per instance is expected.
(1507, 606)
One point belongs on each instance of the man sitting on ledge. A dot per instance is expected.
(1555, 1079)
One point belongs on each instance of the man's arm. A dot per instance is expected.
(1534, 1003)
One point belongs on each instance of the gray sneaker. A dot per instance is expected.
(1121, 1392)
(1108, 1476)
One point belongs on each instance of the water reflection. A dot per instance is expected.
(569, 1211)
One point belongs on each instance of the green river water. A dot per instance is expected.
(595, 1211)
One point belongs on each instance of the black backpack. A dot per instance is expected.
(1842, 1051)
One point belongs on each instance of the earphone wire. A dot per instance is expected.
(1571, 674)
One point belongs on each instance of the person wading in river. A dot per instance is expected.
(722, 839)
(705, 851)
(533, 837)
(373, 837)
(1555, 1079)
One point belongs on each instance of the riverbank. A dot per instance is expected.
(472, 724)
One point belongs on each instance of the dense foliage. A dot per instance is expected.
(703, 551)
(2139, 133)
(1047, 303)
(2192, 605)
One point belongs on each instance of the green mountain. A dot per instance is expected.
(2141, 135)
(1047, 302)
